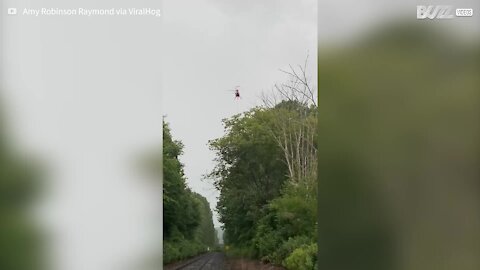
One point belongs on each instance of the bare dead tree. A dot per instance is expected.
(297, 87)
(295, 129)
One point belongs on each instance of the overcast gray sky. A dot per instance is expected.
(213, 45)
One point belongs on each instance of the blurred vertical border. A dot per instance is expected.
(398, 137)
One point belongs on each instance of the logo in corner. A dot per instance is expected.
(434, 12)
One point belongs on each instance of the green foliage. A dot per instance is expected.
(205, 232)
(249, 173)
(181, 249)
(302, 258)
(296, 211)
(289, 223)
(187, 219)
(180, 210)
(268, 203)
(268, 239)
(239, 252)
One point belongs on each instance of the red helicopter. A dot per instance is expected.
(236, 92)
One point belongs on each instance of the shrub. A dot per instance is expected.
(267, 238)
(180, 250)
(288, 247)
(170, 252)
(302, 258)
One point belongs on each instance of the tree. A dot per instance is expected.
(187, 219)
(180, 211)
(249, 173)
(205, 233)
(295, 123)
(266, 170)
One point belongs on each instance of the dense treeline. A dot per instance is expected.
(205, 232)
(266, 171)
(187, 219)
(19, 237)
